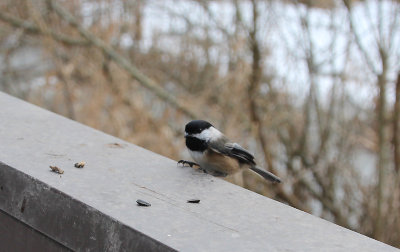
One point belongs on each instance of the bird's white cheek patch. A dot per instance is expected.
(210, 133)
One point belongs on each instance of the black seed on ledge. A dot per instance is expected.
(142, 203)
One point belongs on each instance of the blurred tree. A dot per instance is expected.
(284, 79)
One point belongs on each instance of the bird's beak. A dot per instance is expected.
(186, 134)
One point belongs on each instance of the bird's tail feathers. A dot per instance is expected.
(266, 174)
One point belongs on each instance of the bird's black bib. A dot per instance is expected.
(195, 144)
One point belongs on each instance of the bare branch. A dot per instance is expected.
(357, 38)
(33, 29)
(121, 61)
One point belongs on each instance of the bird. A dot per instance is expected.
(215, 154)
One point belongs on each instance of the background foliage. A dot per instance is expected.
(311, 87)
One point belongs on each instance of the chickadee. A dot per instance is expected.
(215, 154)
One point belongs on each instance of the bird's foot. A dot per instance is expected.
(187, 163)
(202, 170)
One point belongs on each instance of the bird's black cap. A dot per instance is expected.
(197, 126)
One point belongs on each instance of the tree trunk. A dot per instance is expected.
(396, 129)
(382, 145)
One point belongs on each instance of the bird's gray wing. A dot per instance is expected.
(241, 153)
(233, 150)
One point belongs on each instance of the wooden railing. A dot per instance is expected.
(94, 207)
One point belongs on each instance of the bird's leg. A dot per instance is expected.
(189, 163)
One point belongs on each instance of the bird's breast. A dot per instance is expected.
(198, 157)
(215, 162)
